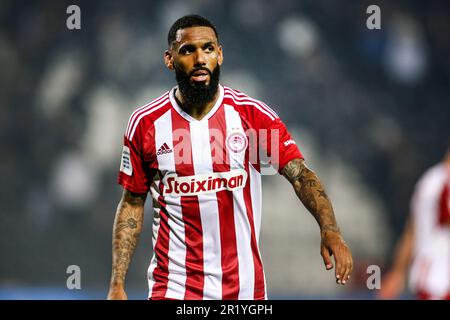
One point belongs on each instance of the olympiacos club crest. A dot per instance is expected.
(237, 141)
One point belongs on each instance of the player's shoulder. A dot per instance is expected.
(435, 172)
(244, 103)
(145, 115)
(432, 178)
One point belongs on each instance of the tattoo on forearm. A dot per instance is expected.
(127, 227)
(129, 223)
(310, 191)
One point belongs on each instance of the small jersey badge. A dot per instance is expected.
(125, 163)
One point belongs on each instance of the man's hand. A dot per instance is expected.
(311, 193)
(117, 293)
(332, 244)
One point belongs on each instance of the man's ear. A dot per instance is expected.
(220, 56)
(168, 59)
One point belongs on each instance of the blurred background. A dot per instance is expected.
(370, 110)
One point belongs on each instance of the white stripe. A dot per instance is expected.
(135, 112)
(256, 192)
(227, 95)
(243, 235)
(154, 108)
(241, 96)
(177, 248)
(209, 213)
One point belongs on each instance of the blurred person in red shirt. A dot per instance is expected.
(424, 248)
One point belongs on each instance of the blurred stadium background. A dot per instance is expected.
(370, 109)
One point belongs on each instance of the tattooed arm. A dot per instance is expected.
(126, 230)
(311, 193)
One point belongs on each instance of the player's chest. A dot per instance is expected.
(201, 147)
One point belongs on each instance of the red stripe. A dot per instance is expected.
(191, 211)
(161, 272)
(259, 290)
(229, 256)
(444, 205)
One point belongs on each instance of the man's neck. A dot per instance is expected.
(195, 111)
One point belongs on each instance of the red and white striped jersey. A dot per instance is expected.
(430, 206)
(205, 180)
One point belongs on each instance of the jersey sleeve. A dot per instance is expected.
(279, 144)
(133, 173)
(275, 141)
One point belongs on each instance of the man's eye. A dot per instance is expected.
(186, 50)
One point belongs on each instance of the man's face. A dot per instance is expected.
(196, 56)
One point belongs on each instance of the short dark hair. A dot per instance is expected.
(192, 20)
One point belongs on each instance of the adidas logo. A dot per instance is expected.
(163, 149)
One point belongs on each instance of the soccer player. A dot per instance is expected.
(424, 248)
(197, 149)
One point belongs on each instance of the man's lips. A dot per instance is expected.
(200, 75)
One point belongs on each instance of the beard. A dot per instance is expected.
(197, 94)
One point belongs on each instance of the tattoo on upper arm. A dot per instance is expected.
(310, 191)
(293, 169)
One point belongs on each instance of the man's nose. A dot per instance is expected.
(200, 57)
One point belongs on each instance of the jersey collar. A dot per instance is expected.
(189, 118)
